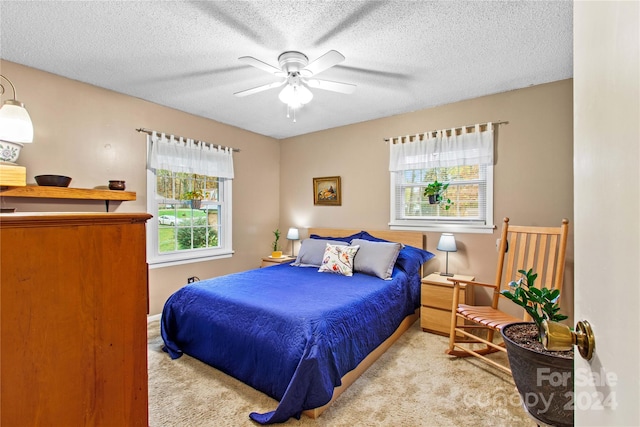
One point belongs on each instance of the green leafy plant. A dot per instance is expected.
(541, 304)
(434, 191)
(193, 195)
(200, 236)
(435, 188)
(276, 233)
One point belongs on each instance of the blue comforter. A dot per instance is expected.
(290, 332)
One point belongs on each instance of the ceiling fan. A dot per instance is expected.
(297, 73)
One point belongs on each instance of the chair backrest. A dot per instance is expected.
(540, 248)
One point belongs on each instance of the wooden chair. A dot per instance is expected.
(521, 248)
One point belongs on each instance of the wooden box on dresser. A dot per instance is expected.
(73, 305)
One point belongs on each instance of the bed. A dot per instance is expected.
(297, 334)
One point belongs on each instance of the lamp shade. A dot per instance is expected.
(15, 123)
(293, 234)
(447, 243)
(295, 95)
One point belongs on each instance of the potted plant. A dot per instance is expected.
(195, 197)
(276, 252)
(434, 191)
(544, 378)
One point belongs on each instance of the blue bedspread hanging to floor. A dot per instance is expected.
(290, 332)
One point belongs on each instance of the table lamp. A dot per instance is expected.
(293, 234)
(447, 244)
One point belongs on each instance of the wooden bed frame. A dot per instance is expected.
(411, 238)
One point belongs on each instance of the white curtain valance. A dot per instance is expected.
(185, 155)
(437, 149)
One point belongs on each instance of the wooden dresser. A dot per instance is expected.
(73, 347)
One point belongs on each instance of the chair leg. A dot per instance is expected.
(489, 347)
(452, 332)
(454, 320)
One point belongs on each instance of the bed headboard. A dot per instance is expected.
(411, 238)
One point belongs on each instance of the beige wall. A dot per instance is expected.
(88, 133)
(533, 174)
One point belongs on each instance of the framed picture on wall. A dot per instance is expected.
(327, 191)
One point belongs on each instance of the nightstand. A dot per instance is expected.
(436, 298)
(268, 261)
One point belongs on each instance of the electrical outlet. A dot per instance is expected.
(191, 279)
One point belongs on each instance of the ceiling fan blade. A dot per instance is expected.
(259, 89)
(250, 60)
(327, 60)
(332, 86)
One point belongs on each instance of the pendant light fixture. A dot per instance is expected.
(16, 128)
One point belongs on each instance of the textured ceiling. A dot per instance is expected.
(402, 55)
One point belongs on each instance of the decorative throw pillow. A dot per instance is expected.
(338, 259)
(375, 258)
(312, 252)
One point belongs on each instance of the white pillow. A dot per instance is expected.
(312, 252)
(338, 259)
(376, 258)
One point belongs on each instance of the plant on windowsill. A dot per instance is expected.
(544, 378)
(195, 197)
(434, 191)
(276, 253)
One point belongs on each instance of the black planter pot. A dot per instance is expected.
(434, 198)
(544, 382)
(196, 204)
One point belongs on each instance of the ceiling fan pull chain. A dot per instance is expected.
(289, 110)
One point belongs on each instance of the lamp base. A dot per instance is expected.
(447, 274)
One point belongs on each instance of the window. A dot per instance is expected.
(184, 229)
(461, 164)
(468, 190)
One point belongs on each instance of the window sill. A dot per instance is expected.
(161, 263)
(445, 228)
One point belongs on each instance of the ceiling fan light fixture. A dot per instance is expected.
(295, 96)
(304, 94)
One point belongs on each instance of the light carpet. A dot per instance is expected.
(413, 384)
